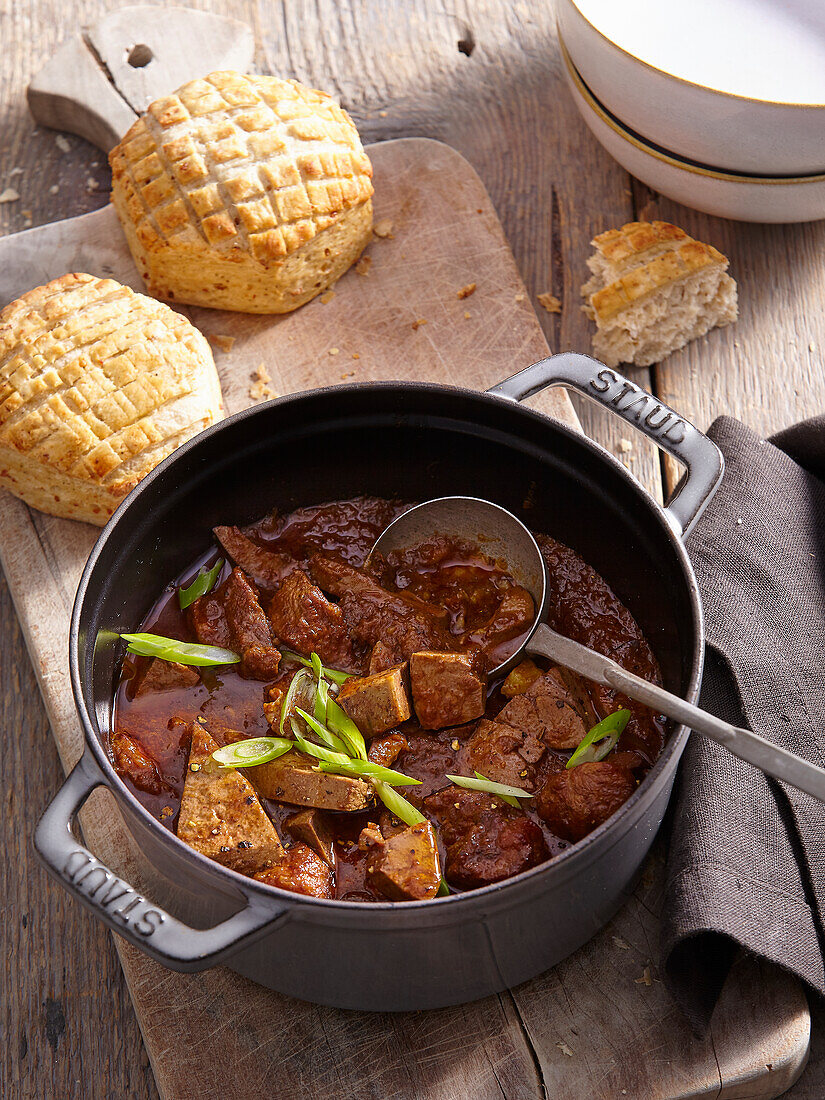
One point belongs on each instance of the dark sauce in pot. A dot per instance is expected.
(469, 592)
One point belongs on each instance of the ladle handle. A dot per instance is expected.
(699, 455)
(748, 746)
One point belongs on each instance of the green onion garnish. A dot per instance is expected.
(185, 653)
(346, 729)
(203, 583)
(317, 667)
(296, 684)
(248, 754)
(330, 673)
(502, 790)
(608, 732)
(359, 768)
(443, 889)
(321, 701)
(399, 807)
(320, 752)
(323, 734)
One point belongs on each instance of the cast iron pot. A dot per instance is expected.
(414, 441)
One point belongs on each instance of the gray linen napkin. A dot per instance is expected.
(746, 865)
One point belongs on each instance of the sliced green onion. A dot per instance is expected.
(321, 701)
(443, 889)
(399, 807)
(185, 653)
(608, 732)
(480, 783)
(297, 682)
(320, 752)
(330, 673)
(203, 583)
(359, 768)
(248, 754)
(346, 729)
(326, 737)
(317, 667)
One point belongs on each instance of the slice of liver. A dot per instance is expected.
(485, 840)
(386, 748)
(300, 870)
(376, 703)
(574, 801)
(305, 620)
(448, 689)
(165, 676)
(220, 814)
(312, 828)
(231, 617)
(266, 568)
(404, 866)
(292, 778)
(133, 762)
(401, 622)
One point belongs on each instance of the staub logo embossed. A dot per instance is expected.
(114, 895)
(639, 406)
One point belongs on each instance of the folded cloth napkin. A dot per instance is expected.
(746, 864)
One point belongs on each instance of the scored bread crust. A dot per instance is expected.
(238, 192)
(98, 384)
(644, 273)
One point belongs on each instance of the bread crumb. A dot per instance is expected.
(467, 290)
(18, 171)
(363, 266)
(55, 187)
(417, 324)
(330, 294)
(347, 374)
(645, 978)
(62, 143)
(382, 114)
(467, 315)
(811, 347)
(334, 351)
(226, 343)
(550, 302)
(383, 228)
(519, 297)
(9, 195)
(92, 184)
(355, 355)
(565, 1049)
(625, 445)
(260, 389)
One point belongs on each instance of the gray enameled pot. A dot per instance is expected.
(413, 441)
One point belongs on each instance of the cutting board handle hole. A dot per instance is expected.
(139, 56)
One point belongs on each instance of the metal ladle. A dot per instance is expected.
(501, 536)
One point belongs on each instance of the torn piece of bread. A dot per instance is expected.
(239, 192)
(653, 289)
(98, 384)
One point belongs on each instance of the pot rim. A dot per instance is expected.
(563, 861)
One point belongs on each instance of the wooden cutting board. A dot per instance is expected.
(600, 1024)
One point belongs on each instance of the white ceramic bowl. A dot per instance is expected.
(739, 84)
(745, 198)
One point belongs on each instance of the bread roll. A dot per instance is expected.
(97, 385)
(243, 192)
(654, 289)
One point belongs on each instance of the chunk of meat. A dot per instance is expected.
(266, 567)
(574, 801)
(312, 828)
(520, 678)
(381, 658)
(555, 708)
(220, 815)
(404, 866)
(292, 778)
(232, 617)
(300, 870)
(448, 689)
(304, 618)
(133, 762)
(399, 620)
(386, 749)
(503, 754)
(165, 676)
(376, 703)
(513, 617)
(486, 840)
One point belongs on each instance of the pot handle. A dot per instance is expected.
(701, 457)
(119, 905)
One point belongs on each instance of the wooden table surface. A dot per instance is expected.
(484, 77)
